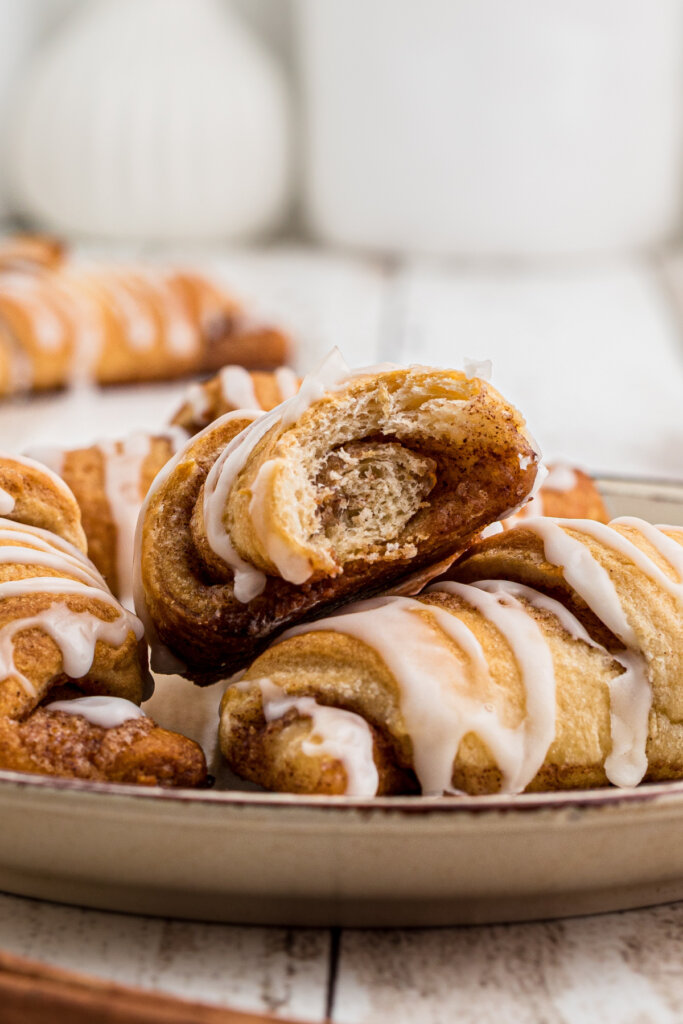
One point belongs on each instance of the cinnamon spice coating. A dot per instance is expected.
(62, 322)
(63, 636)
(385, 476)
(341, 671)
(138, 752)
(558, 665)
(85, 471)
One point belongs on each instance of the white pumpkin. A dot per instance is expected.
(153, 119)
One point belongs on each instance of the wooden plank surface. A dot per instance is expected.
(274, 970)
(625, 968)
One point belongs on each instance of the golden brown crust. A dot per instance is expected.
(344, 672)
(62, 635)
(485, 465)
(60, 322)
(68, 745)
(340, 669)
(38, 500)
(211, 399)
(85, 470)
(581, 500)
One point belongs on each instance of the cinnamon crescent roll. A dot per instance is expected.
(110, 480)
(557, 664)
(72, 663)
(349, 487)
(63, 323)
(234, 388)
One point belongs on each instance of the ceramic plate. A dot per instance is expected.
(247, 856)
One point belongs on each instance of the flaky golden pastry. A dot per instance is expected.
(557, 664)
(231, 389)
(567, 492)
(345, 490)
(73, 668)
(110, 480)
(63, 322)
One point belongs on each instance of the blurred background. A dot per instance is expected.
(413, 180)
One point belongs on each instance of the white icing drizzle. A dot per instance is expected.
(538, 600)
(198, 399)
(250, 581)
(629, 699)
(630, 693)
(50, 466)
(107, 712)
(433, 682)
(136, 320)
(535, 664)
(6, 502)
(29, 292)
(87, 320)
(181, 334)
(560, 478)
(341, 735)
(123, 483)
(237, 388)
(287, 382)
(123, 462)
(75, 632)
(162, 660)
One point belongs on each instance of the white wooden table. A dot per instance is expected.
(593, 355)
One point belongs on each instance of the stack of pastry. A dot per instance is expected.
(338, 551)
(64, 323)
(546, 657)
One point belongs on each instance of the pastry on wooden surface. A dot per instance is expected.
(63, 322)
(350, 487)
(234, 388)
(73, 669)
(554, 660)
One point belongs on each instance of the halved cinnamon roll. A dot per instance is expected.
(345, 490)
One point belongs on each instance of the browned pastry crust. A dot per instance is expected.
(137, 752)
(454, 444)
(64, 636)
(61, 322)
(212, 398)
(606, 708)
(39, 500)
(108, 518)
(581, 500)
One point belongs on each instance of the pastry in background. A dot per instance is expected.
(110, 480)
(351, 487)
(553, 660)
(234, 388)
(64, 323)
(73, 668)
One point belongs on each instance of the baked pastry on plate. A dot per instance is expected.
(553, 660)
(73, 668)
(345, 490)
